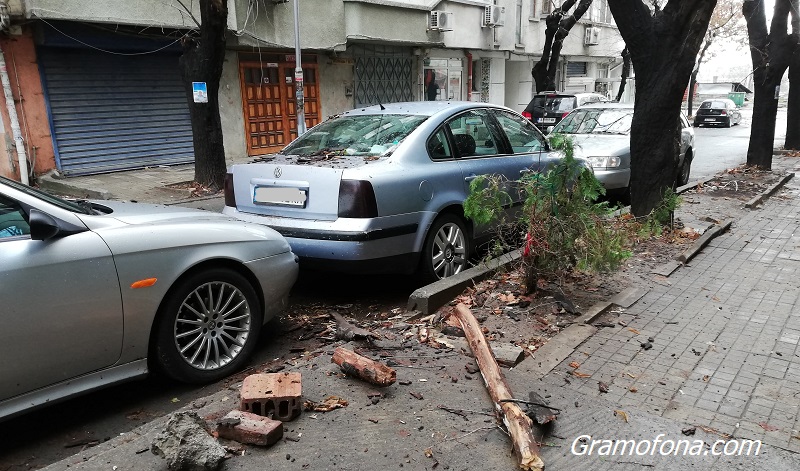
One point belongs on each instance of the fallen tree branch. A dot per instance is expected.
(347, 331)
(358, 366)
(516, 421)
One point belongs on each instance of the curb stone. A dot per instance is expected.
(700, 243)
(55, 184)
(431, 297)
(769, 192)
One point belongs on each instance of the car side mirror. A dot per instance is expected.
(43, 226)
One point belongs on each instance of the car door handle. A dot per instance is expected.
(525, 171)
(470, 178)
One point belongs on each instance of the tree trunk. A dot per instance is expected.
(793, 106)
(771, 54)
(558, 25)
(663, 44)
(626, 72)
(202, 61)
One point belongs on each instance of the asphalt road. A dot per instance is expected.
(718, 148)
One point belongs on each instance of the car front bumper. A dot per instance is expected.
(613, 179)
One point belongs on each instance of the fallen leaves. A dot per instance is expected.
(768, 427)
(574, 365)
(602, 387)
(621, 413)
(578, 374)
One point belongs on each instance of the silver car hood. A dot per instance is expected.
(597, 145)
(142, 213)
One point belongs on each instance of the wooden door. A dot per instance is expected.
(269, 104)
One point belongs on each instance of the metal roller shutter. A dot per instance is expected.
(113, 112)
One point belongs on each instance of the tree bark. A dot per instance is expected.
(202, 61)
(626, 72)
(663, 44)
(362, 367)
(558, 25)
(771, 54)
(526, 447)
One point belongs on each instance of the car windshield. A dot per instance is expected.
(373, 134)
(712, 104)
(596, 121)
(79, 206)
(553, 102)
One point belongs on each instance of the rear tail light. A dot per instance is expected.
(564, 115)
(527, 115)
(723, 112)
(357, 199)
(230, 196)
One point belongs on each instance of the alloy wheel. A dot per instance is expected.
(449, 250)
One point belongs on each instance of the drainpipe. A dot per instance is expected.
(469, 75)
(12, 116)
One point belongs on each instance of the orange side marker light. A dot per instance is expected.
(146, 283)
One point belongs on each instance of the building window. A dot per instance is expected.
(547, 7)
(576, 69)
(520, 18)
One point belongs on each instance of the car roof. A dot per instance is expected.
(424, 108)
(554, 93)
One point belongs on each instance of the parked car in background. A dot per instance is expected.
(722, 111)
(380, 189)
(94, 293)
(601, 135)
(546, 109)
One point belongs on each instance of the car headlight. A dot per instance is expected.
(604, 162)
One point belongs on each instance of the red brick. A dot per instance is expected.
(274, 395)
(251, 428)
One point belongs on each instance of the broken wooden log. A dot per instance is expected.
(356, 365)
(526, 447)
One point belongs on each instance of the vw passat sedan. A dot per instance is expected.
(90, 292)
(601, 135)
(381, 189)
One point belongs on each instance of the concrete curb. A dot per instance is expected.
(770, 191)
(707, 236)
(56, 185)
(692, 185)
(435, 295)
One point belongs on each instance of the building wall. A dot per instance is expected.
(26, 86)
(336, 84)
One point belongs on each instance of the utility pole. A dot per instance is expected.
(298, 73)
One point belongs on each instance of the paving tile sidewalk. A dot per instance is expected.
(725, 334)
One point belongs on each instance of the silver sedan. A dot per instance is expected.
(382, 188)
(94, 293)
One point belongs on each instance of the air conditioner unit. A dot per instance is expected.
(441, 21)
(493, 16)
(592, 36)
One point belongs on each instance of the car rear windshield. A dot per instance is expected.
(553, 103)
(377, 134)
(712, 104)
(596, 121)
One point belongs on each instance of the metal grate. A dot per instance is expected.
(383, 74)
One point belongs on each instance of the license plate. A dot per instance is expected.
(710, 119)
(280, 196)
(547, 120)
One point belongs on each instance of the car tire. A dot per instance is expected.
(685, 170)
(729, 123)
(194, 343)
(446, 250)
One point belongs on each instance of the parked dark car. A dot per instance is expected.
(718, 111)
(546, 109)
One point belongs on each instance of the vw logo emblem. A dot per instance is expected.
(278, 172)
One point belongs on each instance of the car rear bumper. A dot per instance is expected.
(379, 245)
(711, 119)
